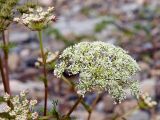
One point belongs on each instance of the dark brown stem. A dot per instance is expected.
(5, 50)
(74, 106)
(93, 106)
(44, 72)
(3, 76)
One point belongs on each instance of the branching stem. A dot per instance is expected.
(74, 106)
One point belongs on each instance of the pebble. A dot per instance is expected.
(139, 115)
(17, 87)
(148, 86)
(19, 37)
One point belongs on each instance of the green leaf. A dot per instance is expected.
(1, 99)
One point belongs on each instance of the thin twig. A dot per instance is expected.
(71, 84)
(74, 106)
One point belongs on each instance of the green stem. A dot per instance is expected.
(67, 81)
(44, 71)
(3, 76)
(5, 51)
(47, 117)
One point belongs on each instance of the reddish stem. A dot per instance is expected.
(6, 72)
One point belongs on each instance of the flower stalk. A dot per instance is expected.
(44, 72)
(6, 69)
(74, 106)
(3, 76)
(71, 84)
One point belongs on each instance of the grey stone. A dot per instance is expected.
(139, 115)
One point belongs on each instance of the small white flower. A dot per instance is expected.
(6, 108)
(50, 9)
(6, 96)
(25, 102)
(31, 9)
(34, 115)
(21, 108)
(16, 19)
(12, 113)
(33, 102)
(39, 9)
(23, 93)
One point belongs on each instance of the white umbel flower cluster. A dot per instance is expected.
(21, 108)
(37, 19)
(101, 67)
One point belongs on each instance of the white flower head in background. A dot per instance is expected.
(101, 67)
(37, 18)
(21, 108)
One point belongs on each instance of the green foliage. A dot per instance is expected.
(24, 8)
(102, 25)
(51, 66)
(8, 46)
(6, 12)
(1, 99)
(58, 36)
(54, 111)
(85, 10)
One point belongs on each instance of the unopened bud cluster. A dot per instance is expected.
(101, 67)
(20, 109)
(37, 18)
(146, 102)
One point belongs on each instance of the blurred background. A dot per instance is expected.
(132, 24)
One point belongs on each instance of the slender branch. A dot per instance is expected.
(74, 106)
(5, 50)
(46, 117)
(71, 84)
(44, 71)
(128, 113)
(67, 81)
(93, 106)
